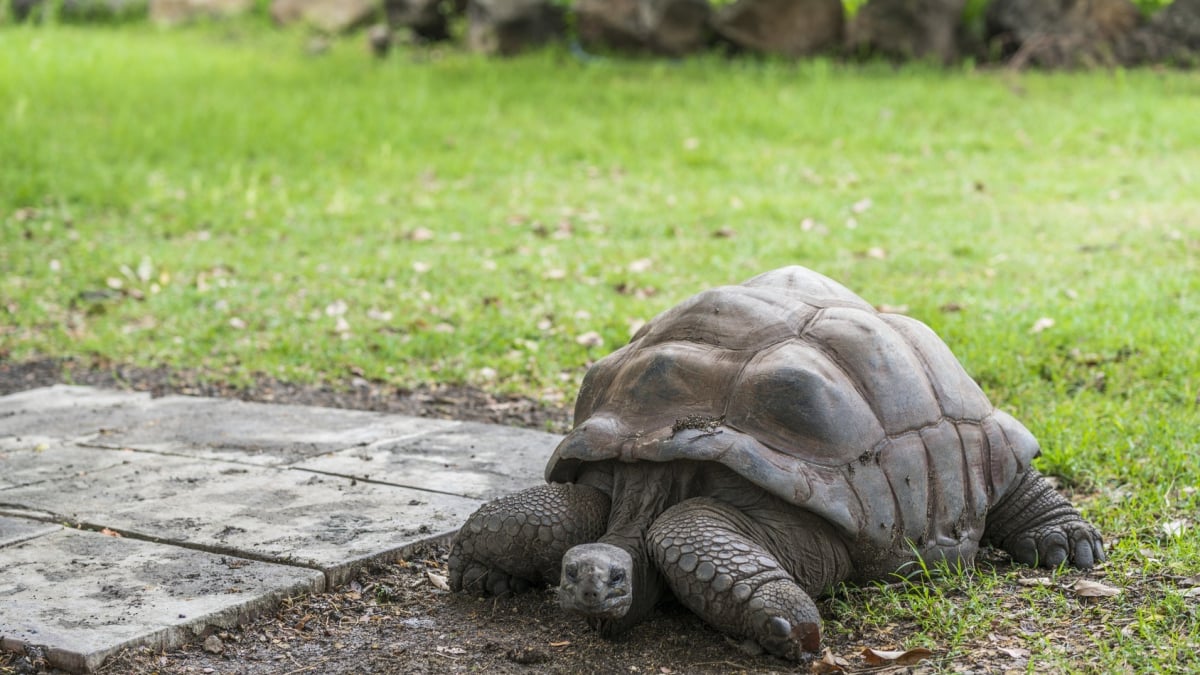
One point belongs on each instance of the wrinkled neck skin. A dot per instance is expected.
(640, 493)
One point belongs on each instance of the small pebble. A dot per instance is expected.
(213, 645)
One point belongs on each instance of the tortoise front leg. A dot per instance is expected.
(711, 556)
(1038, 526)
(518, 541)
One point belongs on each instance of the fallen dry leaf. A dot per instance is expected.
(1041, 324)
(828, 663)
(561, 643)
(1086, 588)
(590, 339)
(110, 533)
(1036, 581)
(1015, 652)
(877, 657)
(437, 580)
(641, 265)
(1175, 528)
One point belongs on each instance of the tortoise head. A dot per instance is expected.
(596, 581)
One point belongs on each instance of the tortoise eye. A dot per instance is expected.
(572, 572)
(616, 577)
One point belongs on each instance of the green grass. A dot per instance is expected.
(215, 199)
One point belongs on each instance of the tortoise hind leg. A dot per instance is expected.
(1038, 526)
(710, 555)
(518, 541)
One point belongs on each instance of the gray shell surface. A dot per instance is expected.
(804, 389)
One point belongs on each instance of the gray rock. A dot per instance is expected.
(1059, 33)
(508, 27)
(330, 16)
(78, 11)
(908, 29)
(668, 27)
(427, 19)
(175, 12)
(785, 27)
(1171, 36)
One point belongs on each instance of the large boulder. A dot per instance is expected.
(330, 16)
(507, 27)
(908, 29)
(1172, 35)
(668, 27)
(1056, 33)
(77, 11)
(175, 12)
(427, 19)
(785, 27)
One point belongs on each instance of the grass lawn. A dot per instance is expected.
(214, 198)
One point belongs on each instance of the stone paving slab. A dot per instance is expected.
(481, 461)
(256, 432)
(64, 411)
(287, 516)
(32, 459)
(82, 596)
(17, 530)
(205, 486)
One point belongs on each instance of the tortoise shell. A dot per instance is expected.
(804, 389)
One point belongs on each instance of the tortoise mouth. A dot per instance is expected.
(613, 605)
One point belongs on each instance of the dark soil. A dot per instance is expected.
(396, 618)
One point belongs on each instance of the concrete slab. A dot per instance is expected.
(259, 433)
(27, 460)
(481, 461)
(17, 530)
(278, 515)
(65, 411)
(83, 596)
(202, 486)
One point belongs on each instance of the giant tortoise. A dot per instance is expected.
(757, 444)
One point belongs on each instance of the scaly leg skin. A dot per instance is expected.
(1038, 526)
(708, 552)
(517, 542)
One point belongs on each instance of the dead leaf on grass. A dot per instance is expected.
(1175, 528)
(828, 663)
(561, 643)
(1015, 652)
(878, 657)
(1041, 324)
(1036, 581)
(110, 533)
(590, 339)
(1086, 588)
(438, 581)
(640, 265)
